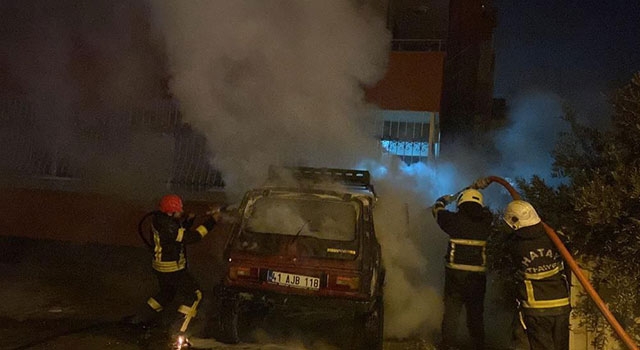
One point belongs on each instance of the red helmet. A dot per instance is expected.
(170, 204)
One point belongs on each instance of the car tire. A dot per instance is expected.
(369, 332)
(229, 311)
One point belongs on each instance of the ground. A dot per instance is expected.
(69, 295)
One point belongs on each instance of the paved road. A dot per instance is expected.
(63, 295)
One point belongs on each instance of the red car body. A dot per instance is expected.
(307, 245)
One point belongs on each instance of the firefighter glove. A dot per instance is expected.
(216, 213)
(446, 199)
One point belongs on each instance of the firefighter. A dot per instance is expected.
(542, 289)
(465, 263)
(170, 235)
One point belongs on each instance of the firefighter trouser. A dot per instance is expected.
(519, 339)
(548, 332)
(463, 288)
(180, 286)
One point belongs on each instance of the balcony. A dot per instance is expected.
(418, 45)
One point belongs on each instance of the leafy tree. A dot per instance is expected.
(598, 208)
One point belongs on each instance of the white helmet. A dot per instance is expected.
(519, 214)
(470, 195)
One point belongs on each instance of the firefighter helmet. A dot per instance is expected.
(470, 195)
(519, 214)
(170, 204)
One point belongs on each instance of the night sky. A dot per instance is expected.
(579, 50)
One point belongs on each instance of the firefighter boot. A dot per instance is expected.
(146, 317)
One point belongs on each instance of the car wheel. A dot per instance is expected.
(369, 332)
(228, 314)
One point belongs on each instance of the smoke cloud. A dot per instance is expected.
(281, 83)
(526, 144)
(412, 250)
(277, 82)
(269, 83)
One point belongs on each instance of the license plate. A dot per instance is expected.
(292, 280)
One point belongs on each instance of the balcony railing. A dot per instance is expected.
(23, 154)
(418, 45)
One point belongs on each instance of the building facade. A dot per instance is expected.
(439, 77)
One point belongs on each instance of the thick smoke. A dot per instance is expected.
(276, 82)
(281, 83)
(269, 83)
(412, 250)
(526, 144)
(415, 245)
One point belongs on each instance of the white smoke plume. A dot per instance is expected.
(412, 247)
(269, 83)
(275, 82)
(281, 83)
(526, 144)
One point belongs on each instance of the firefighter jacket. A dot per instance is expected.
(468, 229)
(169, 237)
(542, 284)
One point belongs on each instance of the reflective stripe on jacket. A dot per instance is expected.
(468, 229)
(169, 238)
(472, 249)
(543, 286)
(532, 303)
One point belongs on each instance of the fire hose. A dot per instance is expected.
(148, 241)
(573, 265)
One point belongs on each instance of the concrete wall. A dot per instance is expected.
(94, 218)
(88, 220)
(413, 82)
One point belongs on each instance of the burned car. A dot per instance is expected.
(306, 242)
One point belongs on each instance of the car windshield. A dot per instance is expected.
(308, 216)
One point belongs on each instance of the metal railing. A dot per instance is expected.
(25, 154)
(413, 137)
(192, 170)
(418, 45)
